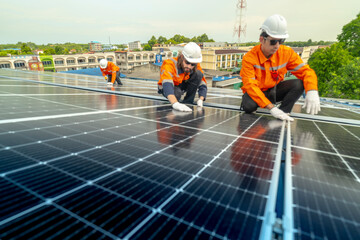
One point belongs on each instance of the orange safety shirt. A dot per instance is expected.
(170, 73)
(259, 73)
(111, 69)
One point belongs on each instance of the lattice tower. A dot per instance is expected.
(240, 24)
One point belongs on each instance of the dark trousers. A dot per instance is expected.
(117, 79)
(189, 87)
(287, 92)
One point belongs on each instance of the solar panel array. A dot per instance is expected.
(80, 160)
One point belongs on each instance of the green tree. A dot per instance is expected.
(194, 39)
(147, 47)
(152, 41)
(14, 52)
(59, 50)
(203, 38)
(350, 36)
(326, 62)
(32, 45)
(25, 49)
(161, 39)
(346, 84)
(49, 51)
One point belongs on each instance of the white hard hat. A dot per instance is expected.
(275, 26)
(103, 63)
(192, 53)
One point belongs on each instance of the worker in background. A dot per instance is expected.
(263, 70)
(183, 74)
(110, 71)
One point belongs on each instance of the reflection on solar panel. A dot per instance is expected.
(81, 161)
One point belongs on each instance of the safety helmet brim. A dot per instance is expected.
(193, 60)
(278, 36)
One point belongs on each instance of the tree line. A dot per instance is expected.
(78, 48)
(48, 49)
(72, 48)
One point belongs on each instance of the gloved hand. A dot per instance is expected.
(180, 114)
(275, 124)
(277, 113)
(181, 107)
(200, 103)
(110, 84)
(312, 102)
(106, 78)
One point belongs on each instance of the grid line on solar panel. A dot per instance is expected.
(330, 162)
(60, 130)
(337, 151)
(345, 214)
(178, 230)
(355, 131)
(334, 133)
(351, 133)
(112, 111)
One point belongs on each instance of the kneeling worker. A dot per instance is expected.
(263, 69)
(183, 74)
(110, 71)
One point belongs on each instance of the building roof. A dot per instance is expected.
(229, 51)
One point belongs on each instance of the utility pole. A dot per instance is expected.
(240, 24)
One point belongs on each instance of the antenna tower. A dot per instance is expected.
(240, 24)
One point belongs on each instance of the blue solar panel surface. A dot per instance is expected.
(80, 160)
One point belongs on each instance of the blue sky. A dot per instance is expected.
(123, 21)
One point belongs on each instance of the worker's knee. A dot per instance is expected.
(248, 104)
(298, 85)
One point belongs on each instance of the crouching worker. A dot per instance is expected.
(183, 75)
(263, 69)
(110, 71)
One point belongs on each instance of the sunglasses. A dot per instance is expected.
(274, 41)
(188, 63)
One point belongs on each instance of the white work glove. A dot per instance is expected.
(110, 84)
(180, 114)
(275, 124)
(312, 102)
(181, 107)
(277, 113)
(200, 103)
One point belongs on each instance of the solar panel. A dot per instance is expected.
(79, 160)
(325, 177)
